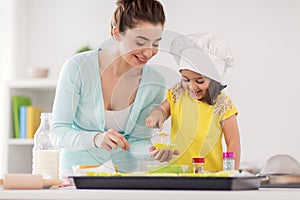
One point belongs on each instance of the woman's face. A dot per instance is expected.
(195, 83)
(137, 46)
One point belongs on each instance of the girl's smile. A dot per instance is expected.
(195, 83)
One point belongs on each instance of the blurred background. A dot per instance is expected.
(263, 35)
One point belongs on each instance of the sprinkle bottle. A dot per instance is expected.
(198, 165)
(228, 161)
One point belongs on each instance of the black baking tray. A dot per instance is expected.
(167, 183)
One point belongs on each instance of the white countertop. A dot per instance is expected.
(69, 193)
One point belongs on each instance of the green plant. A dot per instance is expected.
(84, 48)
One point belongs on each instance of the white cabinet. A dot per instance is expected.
(17, 152)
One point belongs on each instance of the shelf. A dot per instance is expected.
(17, 153)
(14, 141)
(38, 83)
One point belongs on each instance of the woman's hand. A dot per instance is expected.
(162, 155)
(110, 140)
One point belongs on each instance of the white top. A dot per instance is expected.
(117, 119)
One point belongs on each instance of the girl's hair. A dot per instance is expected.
(214, 89)
(129, 12)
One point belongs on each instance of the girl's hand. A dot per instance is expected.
(163, 155)
(111, 140)
(156, 119)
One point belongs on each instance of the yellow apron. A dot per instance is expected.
(197, 131)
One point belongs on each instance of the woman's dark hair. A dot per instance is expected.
(129, 12)
(214, 89)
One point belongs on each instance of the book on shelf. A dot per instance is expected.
(26, 117)
(17, 102)
(33, 120)
(23, 110)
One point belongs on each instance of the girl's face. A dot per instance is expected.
(137, 46)
(195, 83)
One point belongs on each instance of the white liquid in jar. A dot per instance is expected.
(46, 163)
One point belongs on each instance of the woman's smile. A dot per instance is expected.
(141, 60)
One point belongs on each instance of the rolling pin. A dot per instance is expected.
(26, 181)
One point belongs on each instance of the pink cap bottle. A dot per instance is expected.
(228, 161)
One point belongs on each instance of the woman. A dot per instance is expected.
(103, 96)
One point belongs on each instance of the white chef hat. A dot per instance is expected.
(203, 53)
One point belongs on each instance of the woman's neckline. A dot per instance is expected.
(122, 110)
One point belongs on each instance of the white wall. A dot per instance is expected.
(6, 61)
(57, 29)
(263, 34)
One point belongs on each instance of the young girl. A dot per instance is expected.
(200, 113)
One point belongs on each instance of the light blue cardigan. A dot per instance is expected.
(79, 115)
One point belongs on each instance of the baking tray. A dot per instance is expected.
(167, 183)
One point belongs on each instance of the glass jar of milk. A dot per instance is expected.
(45, 152)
